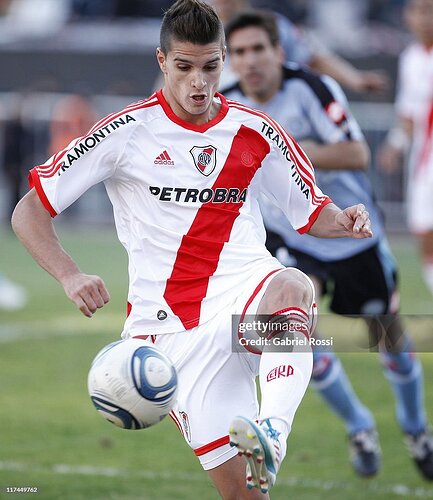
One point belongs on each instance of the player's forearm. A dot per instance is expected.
(336, 67)
(33, 226)
(349, 155)
(353, 222)
(326, 225)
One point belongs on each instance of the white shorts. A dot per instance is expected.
(420, 203)
(215, 383)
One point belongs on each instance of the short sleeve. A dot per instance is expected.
(289, 181)
(85, 162)
(328, 112)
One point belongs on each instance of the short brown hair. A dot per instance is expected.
(263, 19)
(191, 21)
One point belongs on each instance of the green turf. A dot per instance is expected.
(52, 438)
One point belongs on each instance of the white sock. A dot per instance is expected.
(284, 375)
(428, 274)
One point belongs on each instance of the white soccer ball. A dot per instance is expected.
(132, 384)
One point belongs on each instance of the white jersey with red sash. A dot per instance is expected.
(185, 203)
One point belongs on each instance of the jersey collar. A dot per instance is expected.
(190, 126)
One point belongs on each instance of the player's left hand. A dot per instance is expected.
(356, 221)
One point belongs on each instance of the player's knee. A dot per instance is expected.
(291, 288)
(323, 365)
(401, 363)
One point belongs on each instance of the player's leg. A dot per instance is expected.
(403, 370)
(426, 247)
(330, 381)
(364, 285)
(215, 383)
(284, 374)
(329, 378)
(420, 220)
(229, 479)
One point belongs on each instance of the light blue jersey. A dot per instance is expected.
(314, 107)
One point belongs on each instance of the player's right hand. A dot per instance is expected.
(88, 292)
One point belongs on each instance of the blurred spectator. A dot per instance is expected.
(17, 148)
(72, 117)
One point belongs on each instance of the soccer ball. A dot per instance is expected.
(132, 384)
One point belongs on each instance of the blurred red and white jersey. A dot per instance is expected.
(415, 102)
(185, 202)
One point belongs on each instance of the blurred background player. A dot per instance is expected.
(360, 278)
(414, 129)
(305, 50)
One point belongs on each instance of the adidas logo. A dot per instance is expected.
(163, 159)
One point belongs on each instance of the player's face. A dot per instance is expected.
(256, 61)
(419, 18)
(191, 78)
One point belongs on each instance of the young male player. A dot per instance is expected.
(192, 228)
(414, 129)
(359, 276)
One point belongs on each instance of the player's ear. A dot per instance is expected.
(224, 52)
(160, 57)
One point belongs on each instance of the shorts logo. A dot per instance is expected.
(161, 315)
(204, 159)
(280, 371)
(185, 424)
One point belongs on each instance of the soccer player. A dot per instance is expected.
(360, 277)
(298, 49)
(414, 108)
(183, 170)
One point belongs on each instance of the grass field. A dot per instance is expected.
(52, 438)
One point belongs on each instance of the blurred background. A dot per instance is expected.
(103, 51)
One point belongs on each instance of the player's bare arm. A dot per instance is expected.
(33, 226)
(347, 155)
(349, 76)
(391, 153)
(352, 222)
